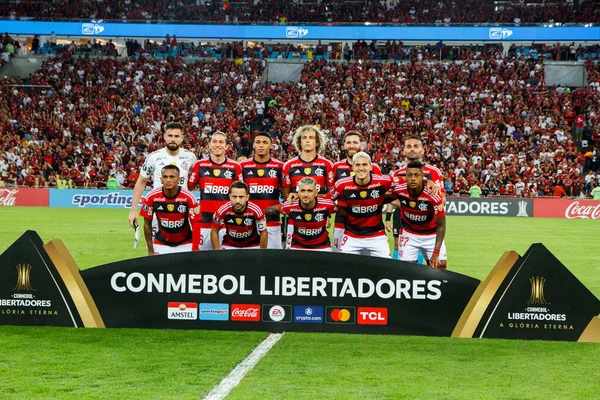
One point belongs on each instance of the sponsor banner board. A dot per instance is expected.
(306, 32)
(92, 198)
(16, 197)
(529, 297)
(564, 208)
(484, 206)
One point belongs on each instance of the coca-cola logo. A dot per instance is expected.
(575, 210)
(8, 197)
(245, 312)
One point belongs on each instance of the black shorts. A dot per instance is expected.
(396, 222)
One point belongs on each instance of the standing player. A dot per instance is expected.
(172, 154)
(244, 223)
(353, 143)
(214, 175)
(413, 151)
(263, 175)
(308, 215)
(363, 197)
(309, 142)
(423, 219)
(174, 207)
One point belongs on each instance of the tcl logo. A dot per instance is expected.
(245, 312)
(372, 316)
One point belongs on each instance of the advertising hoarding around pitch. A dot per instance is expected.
(20, 197)
(565, 208)
(501, 207)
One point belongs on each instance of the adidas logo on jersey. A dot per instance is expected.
(299, 217)
(159, 208)
(352, 196)
(250, 173)
(230, 221)
(343, 174)
(207, 173)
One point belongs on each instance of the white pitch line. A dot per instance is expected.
(220, 391)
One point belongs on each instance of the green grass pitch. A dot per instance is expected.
(41, 363)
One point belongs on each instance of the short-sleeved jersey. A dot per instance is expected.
(310, 226)
(264, 182)
(342, 169)
(153, 165)
(419, 213)
(241, 229)
(214, 181)
(320, 169)
(173, 215)
(364, 204)
(432, 173)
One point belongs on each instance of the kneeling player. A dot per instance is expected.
(307, 216)
(174, 208)
(423, 220)
(244, 222)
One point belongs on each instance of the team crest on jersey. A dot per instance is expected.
(170, 207)
(228, 174)
(363, 194)
(238, 221)
(319, 217)
(217, 172)
(307, 171)
(181, 208)
(423, 207)
(248, 222)
(260, 172)
(319, 171)
(308, 217)
(272, 174)
(412, 204)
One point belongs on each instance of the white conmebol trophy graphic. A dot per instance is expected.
(522, 209)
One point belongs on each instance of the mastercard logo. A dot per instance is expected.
(340, 315)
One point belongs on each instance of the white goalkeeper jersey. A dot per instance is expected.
(153, 165)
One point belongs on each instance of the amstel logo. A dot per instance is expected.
(23, 277)
(537, 291)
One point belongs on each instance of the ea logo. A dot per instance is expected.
(277, 313)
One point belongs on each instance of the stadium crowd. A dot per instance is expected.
(311, 11)
(491, 120)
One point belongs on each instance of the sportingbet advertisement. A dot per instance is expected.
(529, 297)
(92, 198)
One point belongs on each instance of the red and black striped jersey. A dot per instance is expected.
(264, 182)
(241, 229)
(310, 226)
(342, 169)
(364, 204)
(214, 181)
(320, 169)
(419, 213)
(172, 214)
(431, 173)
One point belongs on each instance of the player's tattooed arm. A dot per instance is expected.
(273, 210)
(148, 236)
